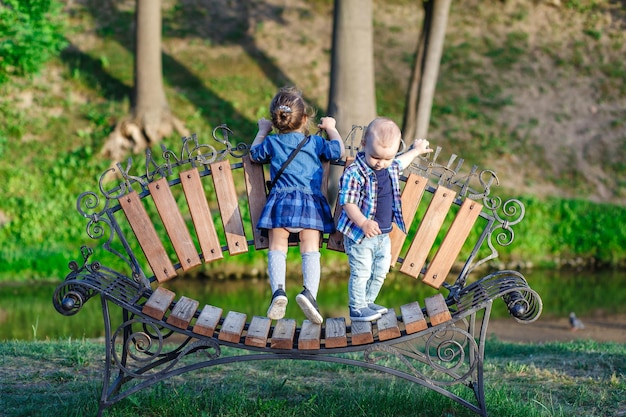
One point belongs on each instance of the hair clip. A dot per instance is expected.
(286, 109)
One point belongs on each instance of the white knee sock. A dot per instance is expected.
(311, 271)
(276, 269)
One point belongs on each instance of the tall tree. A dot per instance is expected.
(151, 118)
(352, 97)
(421, 91)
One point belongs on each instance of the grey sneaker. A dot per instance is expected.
(364, 314)
(309, 306)
(278, 305)
(376, 307)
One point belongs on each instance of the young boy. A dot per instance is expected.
(369, 194)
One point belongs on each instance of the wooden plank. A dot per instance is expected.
(388, 326)
(201, 215)
(174, 224)
(411, 198)
(309, 335)
(361, 333)
(183, 312)
(232, 327)
(335, 239)
(452, 244)
(229, 207)
(258, 331)
(437, 310)
(284, 331)
(336, 333)
(158, 303)
(427, 231)
(255, 189)
(413, 318)
(146, 235)
(208, 320)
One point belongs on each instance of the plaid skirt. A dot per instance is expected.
(295, 208)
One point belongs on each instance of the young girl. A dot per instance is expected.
(295, 203)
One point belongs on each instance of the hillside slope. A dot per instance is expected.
(534, 89)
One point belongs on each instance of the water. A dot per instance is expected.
(26, 311)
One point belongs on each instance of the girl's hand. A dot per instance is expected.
(327, 123)
(265, 126)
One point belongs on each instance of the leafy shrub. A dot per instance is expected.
(31, 32)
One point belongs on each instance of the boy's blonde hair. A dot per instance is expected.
(384, 130)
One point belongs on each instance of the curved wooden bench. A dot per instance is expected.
(160, 224)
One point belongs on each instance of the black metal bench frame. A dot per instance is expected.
(141, 350)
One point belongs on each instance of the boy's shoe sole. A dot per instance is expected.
(308, 305)
(277, 308)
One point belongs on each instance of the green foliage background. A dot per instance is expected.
(58, 103)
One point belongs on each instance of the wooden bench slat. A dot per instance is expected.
(309, 335)
(258, 331)
(452, 244)
(361, 333)
(437, 309)
(411, 198)
(255, 189)
(229, 207)
(201, 215)
(158, 303)
(232, 327)
(413, 318)
(335, 239)
(208, 320)
(183, 312)
(388, 326)
(282, 336)
(427, 231)
(146, 235)
(336, 333)
(174, 224)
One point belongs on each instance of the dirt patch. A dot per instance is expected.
(601, 329)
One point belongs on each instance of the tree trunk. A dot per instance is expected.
(352, 96)
(151, 118)
(423, 81)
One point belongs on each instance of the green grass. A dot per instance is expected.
(582, 378)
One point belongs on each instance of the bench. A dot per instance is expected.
(199, 205)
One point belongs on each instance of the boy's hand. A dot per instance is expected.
(370, 228)
(421, 146)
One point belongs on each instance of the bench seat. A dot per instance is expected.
(200, 205)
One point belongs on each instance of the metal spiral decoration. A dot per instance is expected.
(141, 347)
(142, 354)
(452, 355)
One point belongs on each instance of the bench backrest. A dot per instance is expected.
(173, 210)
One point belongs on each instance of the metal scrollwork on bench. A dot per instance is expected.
(450, 356)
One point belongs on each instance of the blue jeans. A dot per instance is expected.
(369, 264)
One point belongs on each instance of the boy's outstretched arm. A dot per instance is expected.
(419, 147)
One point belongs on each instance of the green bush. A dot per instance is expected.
(31, 32)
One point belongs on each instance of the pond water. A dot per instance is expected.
(27, 313)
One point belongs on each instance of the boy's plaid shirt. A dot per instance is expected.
(358, 185)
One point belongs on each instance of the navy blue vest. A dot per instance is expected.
(384, 203)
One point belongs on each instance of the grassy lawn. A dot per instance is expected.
(63, 378)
